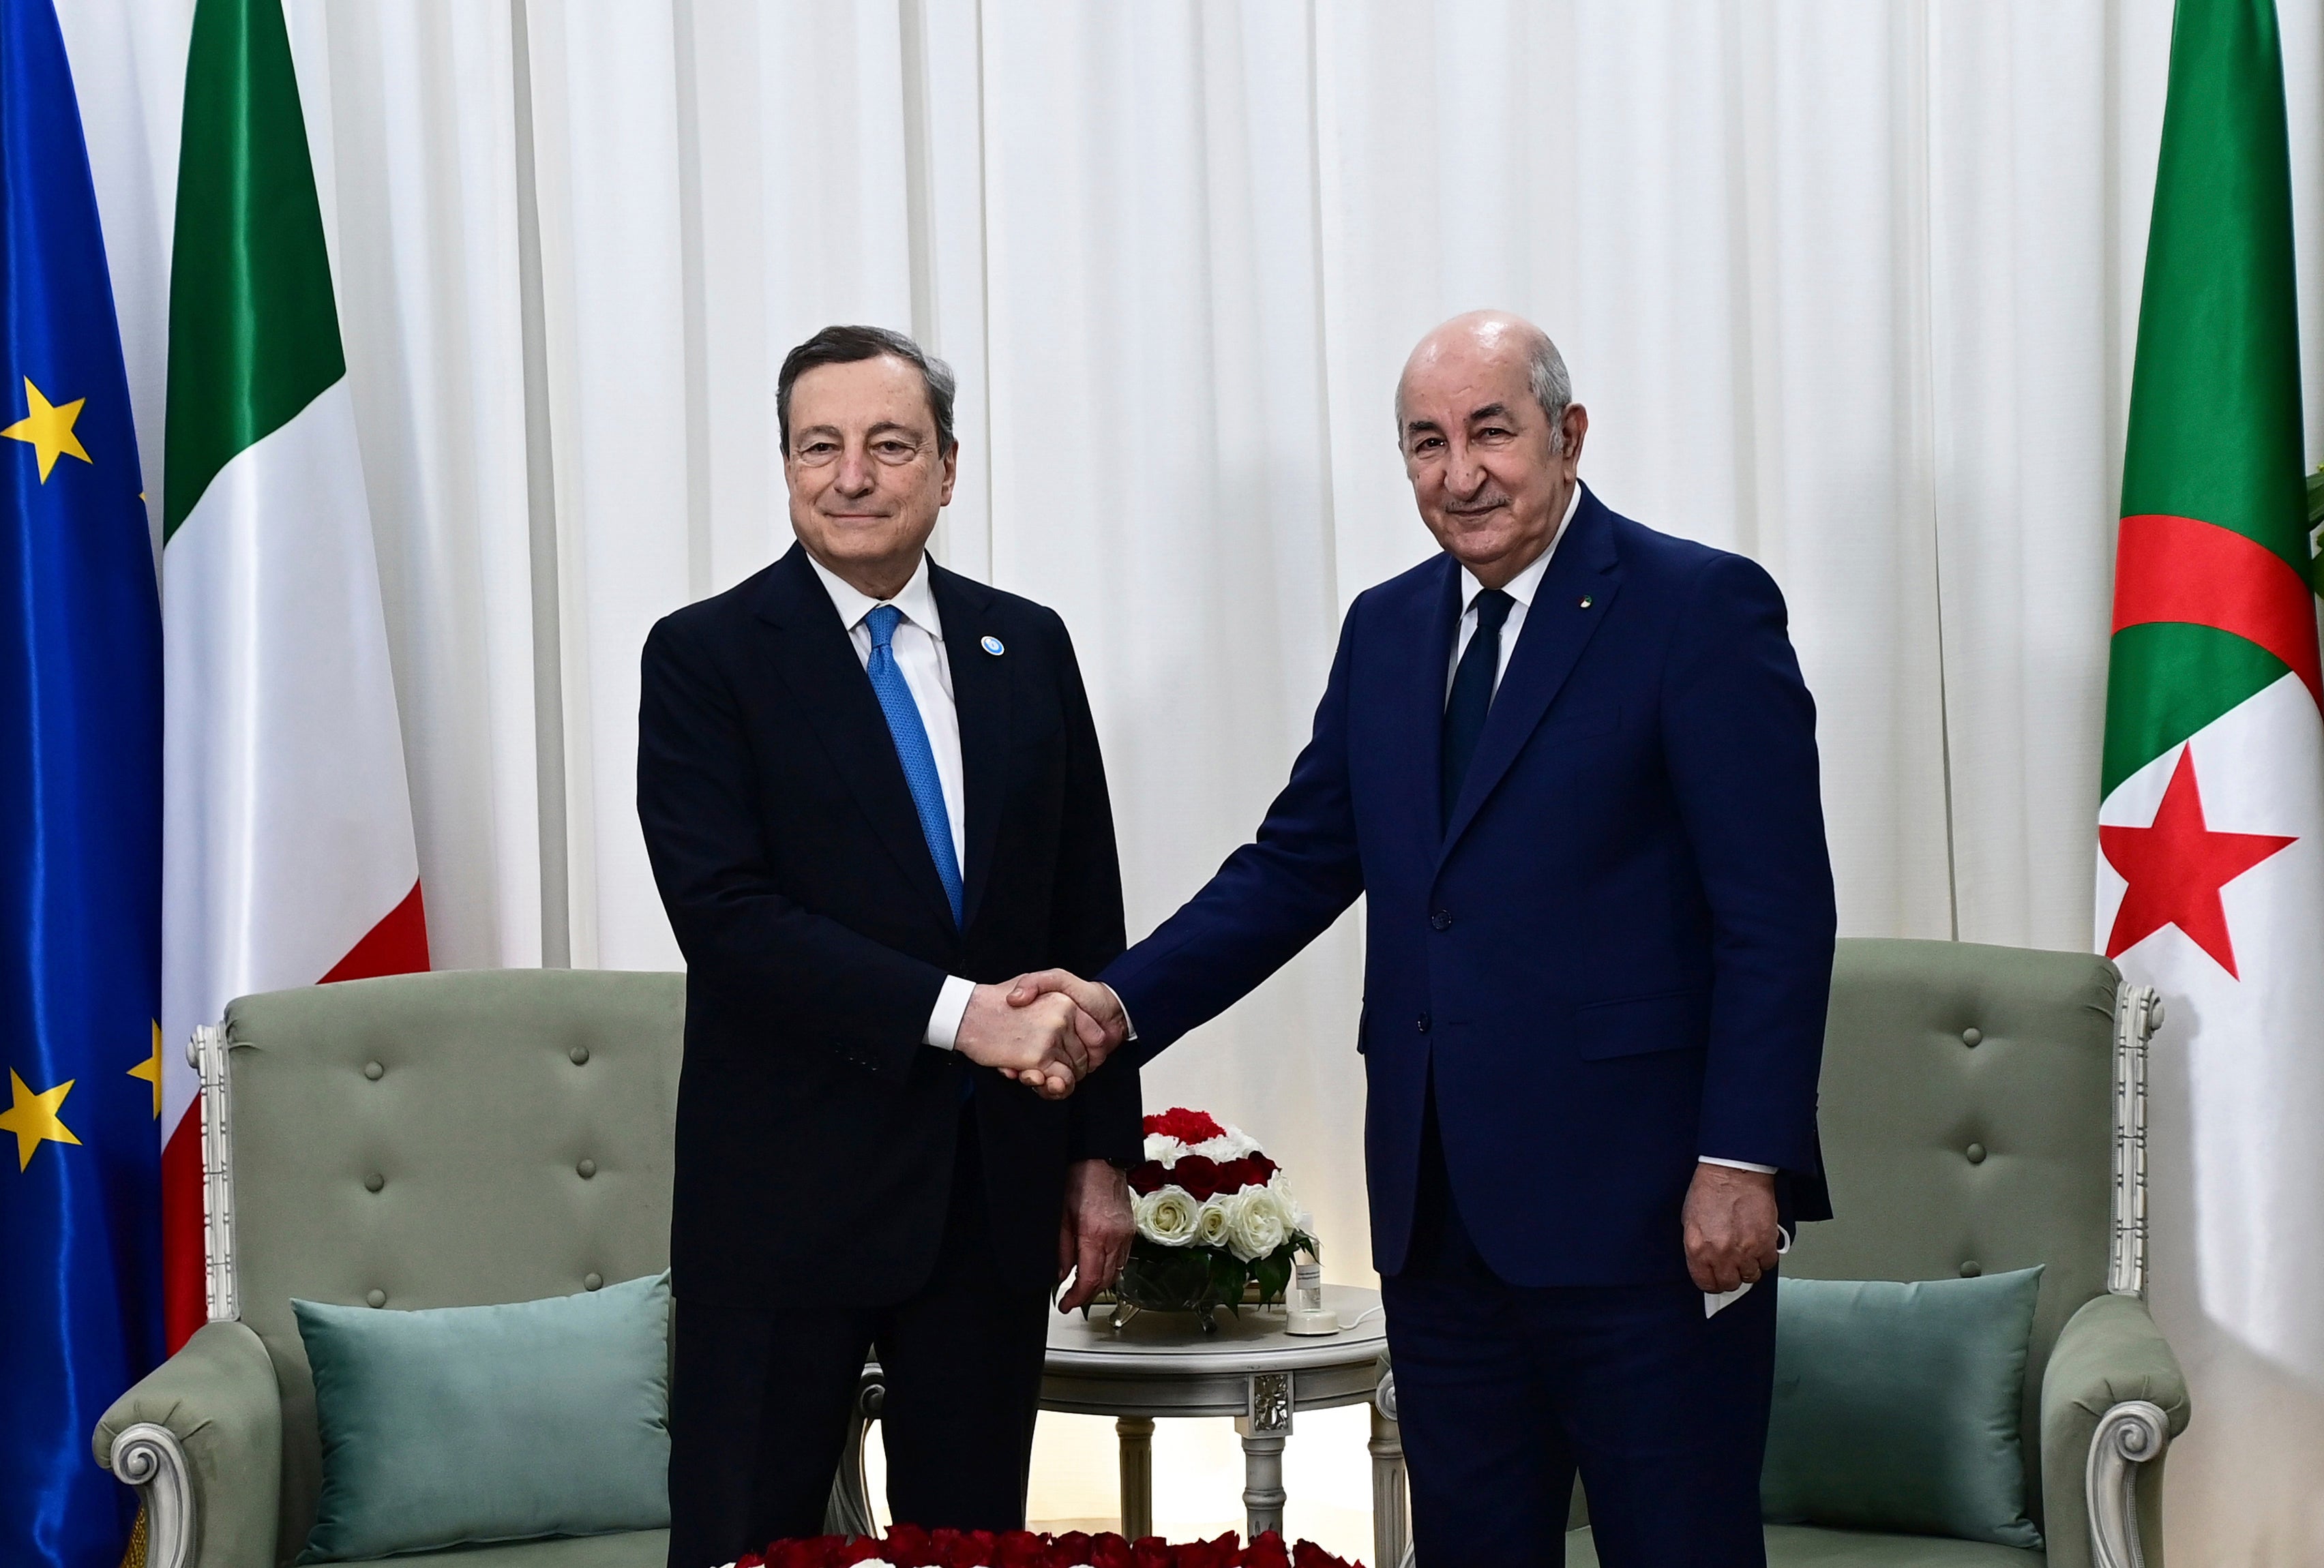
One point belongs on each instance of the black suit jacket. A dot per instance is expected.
(816, 1133)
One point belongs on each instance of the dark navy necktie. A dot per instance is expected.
(1471, 698)
(912, 748)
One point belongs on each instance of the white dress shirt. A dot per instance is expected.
(1522, 588)
(918, 649)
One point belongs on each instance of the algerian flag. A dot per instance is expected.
(287, 845)
(2211, 871)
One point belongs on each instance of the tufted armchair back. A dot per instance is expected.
(444, 1140)
(1968, 1122)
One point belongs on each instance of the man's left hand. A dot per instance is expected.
(1093, 1232)
(1730, 1227)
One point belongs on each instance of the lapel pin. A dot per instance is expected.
(992, 645)
(1585, 600)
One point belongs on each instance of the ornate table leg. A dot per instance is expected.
(1263, 1431)
(1391, 1530)
(1136, 1435)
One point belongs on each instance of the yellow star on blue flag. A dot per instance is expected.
(48, 429)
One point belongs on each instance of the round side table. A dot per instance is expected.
(1161, 1364)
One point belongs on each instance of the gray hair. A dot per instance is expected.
(1545, 377)
(1551, 387)
(848, 344)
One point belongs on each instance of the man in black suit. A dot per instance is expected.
(867, 784)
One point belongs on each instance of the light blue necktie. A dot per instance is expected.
(912, 748)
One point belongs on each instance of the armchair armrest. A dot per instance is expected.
(200, 1437)
(2112, 1399)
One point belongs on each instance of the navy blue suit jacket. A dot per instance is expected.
(1616, 959)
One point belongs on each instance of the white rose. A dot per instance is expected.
(1215, 1221)
(1165, 1215)
(1299, 1219)
(1162, 1149)
(1260, 1224)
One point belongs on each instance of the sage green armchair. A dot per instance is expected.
(1984, 1108)
(426, 1141)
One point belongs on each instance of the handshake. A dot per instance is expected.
(1048, 1029)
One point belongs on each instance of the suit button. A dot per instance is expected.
(1423, 1023)
(1975, 1152)
(1441, 920)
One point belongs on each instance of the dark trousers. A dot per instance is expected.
(760, 1398)
(1503, 1390)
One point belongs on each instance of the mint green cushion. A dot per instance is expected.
(490, 1423)
(1897, 1406)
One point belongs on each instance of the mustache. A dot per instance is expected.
(1481, 503)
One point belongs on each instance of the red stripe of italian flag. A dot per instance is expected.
(2211, 878)
(288, 848)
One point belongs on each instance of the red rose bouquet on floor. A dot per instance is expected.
(1213, 1215)
(910, 1546)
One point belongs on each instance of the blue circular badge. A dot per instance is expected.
(992, 645)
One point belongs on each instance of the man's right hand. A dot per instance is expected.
(1041, 1045)
(1106, 1024)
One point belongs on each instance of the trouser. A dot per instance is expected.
(760, 1396)
(1503, 1391)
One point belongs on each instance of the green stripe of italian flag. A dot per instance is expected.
(2210, 879)
(287, 846)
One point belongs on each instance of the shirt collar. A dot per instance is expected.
(1527, 583)
(917, 599)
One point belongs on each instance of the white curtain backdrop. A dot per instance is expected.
(1851, 288)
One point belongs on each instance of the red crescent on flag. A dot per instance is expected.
(2178, 568)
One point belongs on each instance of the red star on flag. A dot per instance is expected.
(2176, 867)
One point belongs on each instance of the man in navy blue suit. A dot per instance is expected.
(1572, 764)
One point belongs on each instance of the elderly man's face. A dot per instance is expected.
(1490, 480)
(865, 477)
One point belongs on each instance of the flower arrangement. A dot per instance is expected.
(1213, 1214)
(910, 1546)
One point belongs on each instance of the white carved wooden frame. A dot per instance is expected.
(145, 1456)
(2137, 1014)
(2133, 1433)
(206, 1052)
(2136, 1432)
(149, 1458)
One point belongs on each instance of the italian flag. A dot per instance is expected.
(2210, 881)
(287, 845)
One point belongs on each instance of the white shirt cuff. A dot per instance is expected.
(1704, 1158)
(944, 1019)
(1128, 1026)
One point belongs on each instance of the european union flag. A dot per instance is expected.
(80, 837)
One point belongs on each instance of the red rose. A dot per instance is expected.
(1223, 1552)
(1153, 1552)
(1186, 1126)
(1109, 1550)
(910, 1547)
(1020, 1549)
(1252, 1170)
(1266, 1552)
(1199, 1176)
(1147, 1177)
(1307, 1554)
(861, 1549)
(1070, 1550)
